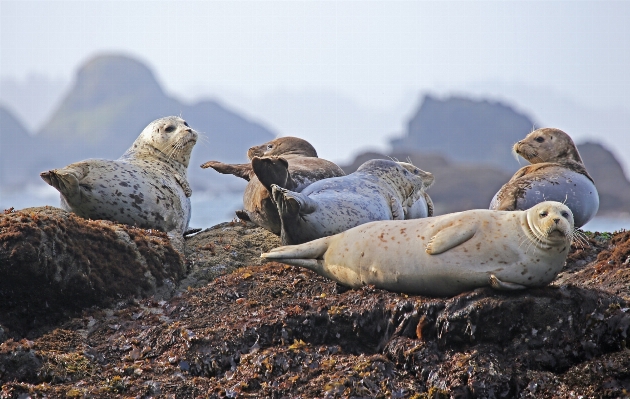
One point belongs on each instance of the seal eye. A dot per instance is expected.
(540, 139)
(269, 146)
(186, 124)
(169, 128)
(543, 214)
(565, 214)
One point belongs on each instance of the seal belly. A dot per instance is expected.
(565, 186)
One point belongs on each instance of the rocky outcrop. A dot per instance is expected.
(611, 182)
(15, 142)
(54, 264)
(466, 130)
(278, 331)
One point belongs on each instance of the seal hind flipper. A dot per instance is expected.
(291, 207)
(450, 237)
(290, 203)
(63, 180)
(272, 170)
(504, 285)
(309, 255)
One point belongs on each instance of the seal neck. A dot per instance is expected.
(144, 150)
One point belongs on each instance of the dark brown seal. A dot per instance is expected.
(556, 173)
(288, 162)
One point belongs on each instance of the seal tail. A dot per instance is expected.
(309, 255)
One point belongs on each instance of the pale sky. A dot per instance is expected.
(375, 53)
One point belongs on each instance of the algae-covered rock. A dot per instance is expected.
(53, 263)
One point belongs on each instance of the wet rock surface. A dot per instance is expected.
(277, 331)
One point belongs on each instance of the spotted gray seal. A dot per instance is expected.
(556, 173)
(146, 187)
(444, 255)
(379, 190)
(289, 162)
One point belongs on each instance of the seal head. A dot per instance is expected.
(286, 147)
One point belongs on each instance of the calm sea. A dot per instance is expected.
(209, 209)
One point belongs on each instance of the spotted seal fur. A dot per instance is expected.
(146, 187)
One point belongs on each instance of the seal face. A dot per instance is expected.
(286, 147)
(556, 173)
(145, 187)
(288, 162)
(444, 255)
(378, 190)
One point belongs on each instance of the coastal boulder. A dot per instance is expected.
(54, 263)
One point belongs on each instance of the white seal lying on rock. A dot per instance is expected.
(444, 255)
(146, 187)
(379, 190)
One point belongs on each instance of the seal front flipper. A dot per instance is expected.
(504, 285)
(450, 237)
(429, 204)
(396, 207)
(184, 184)
(242, 214)
(242, 170)
(273, 170)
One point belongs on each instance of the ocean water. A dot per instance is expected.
(209, 209)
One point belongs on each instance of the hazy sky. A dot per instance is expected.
(375, 53)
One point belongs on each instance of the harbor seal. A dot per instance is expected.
(146, 187)
(444, 255)
(288, 162)
(556, 173)
(379, 190)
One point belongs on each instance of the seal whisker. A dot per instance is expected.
(579, 238)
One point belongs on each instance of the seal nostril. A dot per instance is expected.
(556, 220)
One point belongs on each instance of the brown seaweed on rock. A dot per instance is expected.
(54, 263)
(275, 331)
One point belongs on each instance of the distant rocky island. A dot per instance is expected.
(112, 99)
(465, 142)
